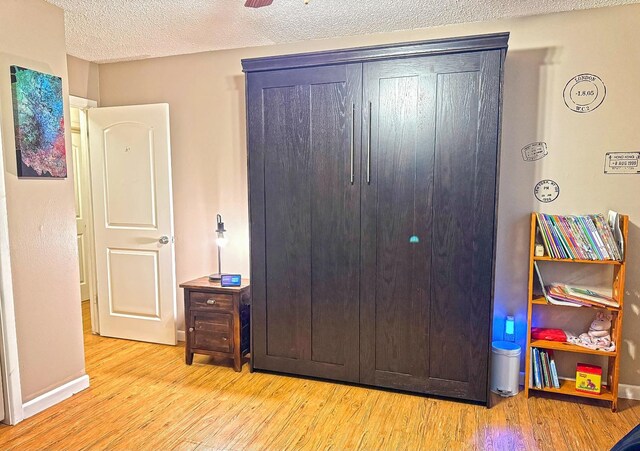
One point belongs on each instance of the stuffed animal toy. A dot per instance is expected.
(600, 326)
(598, 337)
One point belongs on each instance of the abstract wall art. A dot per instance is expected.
(38, 114)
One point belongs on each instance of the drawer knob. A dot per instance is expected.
(211, 301)
(224, 338)
(191, 329)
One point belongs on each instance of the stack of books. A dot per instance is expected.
(585, 237)
(543, 372)
(580, 296)
(570, 296)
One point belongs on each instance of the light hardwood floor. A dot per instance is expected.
(143, 397)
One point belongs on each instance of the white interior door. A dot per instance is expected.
(83, 203)
(133, 222)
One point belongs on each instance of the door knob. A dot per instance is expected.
(164, 239)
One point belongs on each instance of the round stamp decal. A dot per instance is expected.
(584, 93)
(546, 191)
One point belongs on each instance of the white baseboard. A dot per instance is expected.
(181, 335)
(629, 391)
(54, 396)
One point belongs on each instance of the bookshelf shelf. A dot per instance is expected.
(570, 260)
(568, 347)
(541, 300)
(567, 387)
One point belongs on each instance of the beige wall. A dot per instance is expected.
(206, 95)
(41, 215)
(83, 78)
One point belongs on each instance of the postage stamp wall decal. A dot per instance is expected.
(546, 191)
(534, 151)
(584, 93)
(621, 163)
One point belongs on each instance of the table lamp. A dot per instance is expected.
(221, 241)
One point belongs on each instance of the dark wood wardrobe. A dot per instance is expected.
(373, 194)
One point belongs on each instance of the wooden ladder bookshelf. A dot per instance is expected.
(567, 387)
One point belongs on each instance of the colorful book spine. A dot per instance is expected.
(547, 368)
(531, 369)
(565, 237)
(554, 371)
(540, 368)
(607, 235)
(549, 233)
(547, 247)
(596, 236)
(545, 372)
(584, 237)
(536, 369)
(587, 234)
(577, 249)
(600, 232)
(553, 253)
(564, 246)
(561, 238)
(555, 237)
(587, 254)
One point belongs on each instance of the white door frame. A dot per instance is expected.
(9, 365)
(83, 105)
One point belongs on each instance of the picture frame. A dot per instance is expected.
(38, 113)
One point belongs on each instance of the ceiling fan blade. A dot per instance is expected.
(257, 3)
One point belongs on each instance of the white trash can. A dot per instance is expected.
(505, 368)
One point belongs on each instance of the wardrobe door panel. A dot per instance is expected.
(304, 138)
(334, 223)
(452, 258)
(396, 200)
(464, 203)
(287, 223)
(397, 133)
(428, 214)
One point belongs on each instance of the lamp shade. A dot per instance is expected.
(221, 240)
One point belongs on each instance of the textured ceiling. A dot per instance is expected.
(116, 30)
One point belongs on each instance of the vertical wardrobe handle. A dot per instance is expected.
(353, 138)
(369, 149)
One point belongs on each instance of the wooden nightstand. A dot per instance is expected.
(216, 320)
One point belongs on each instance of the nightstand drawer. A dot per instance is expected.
(213, 331)
(211, 301)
